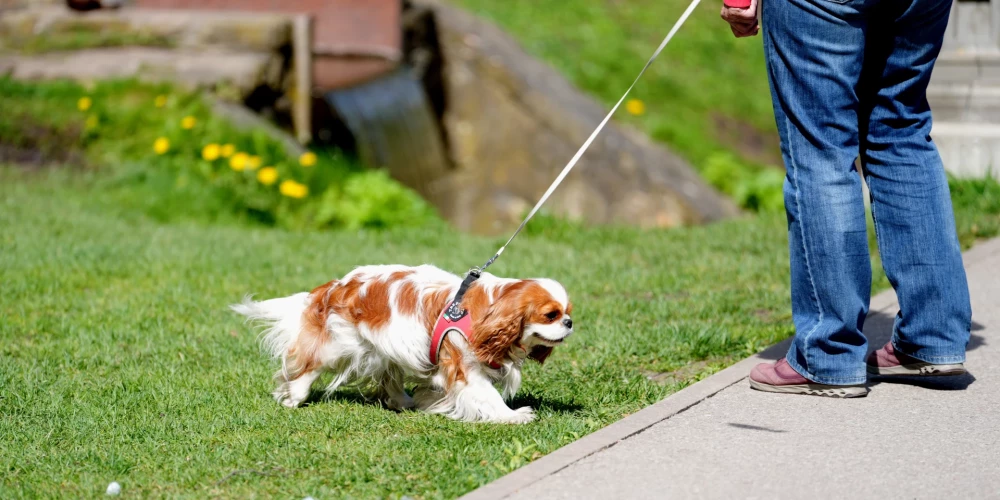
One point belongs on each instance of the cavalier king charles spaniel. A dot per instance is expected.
(374, 328)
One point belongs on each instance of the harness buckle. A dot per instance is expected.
(455, 311)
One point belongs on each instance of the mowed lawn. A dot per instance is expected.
(119, 360)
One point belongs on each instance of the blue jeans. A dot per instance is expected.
(849, 79)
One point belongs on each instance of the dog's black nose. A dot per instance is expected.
(568, 323)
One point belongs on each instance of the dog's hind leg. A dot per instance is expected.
(305, 359)
(293, 392)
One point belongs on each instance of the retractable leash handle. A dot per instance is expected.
(743, 4)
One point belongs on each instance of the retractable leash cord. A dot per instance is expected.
(455, 311)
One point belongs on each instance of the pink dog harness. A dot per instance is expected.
(445, 325)
(455, 319)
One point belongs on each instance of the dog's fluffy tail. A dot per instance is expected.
(281, 317)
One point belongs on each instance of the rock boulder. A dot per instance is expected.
(511, 123)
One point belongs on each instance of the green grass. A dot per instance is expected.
(706, 96)
(120, 362)
(976, 197)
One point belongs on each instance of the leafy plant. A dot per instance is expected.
(168, 155)
(517, 455)
(752, 188)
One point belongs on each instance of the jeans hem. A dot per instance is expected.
(934, 360)
(855, 380)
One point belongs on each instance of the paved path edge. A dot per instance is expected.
(669, 406)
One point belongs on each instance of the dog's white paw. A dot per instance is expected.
(291, 402)
(522, 415)
(283, 395)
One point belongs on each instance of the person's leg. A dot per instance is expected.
(911, 202)
(815, 52)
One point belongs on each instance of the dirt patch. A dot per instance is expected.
(34, 145)
(682, 374)
(686, 372)
(754, 145)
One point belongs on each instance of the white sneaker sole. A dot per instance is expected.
(919, 370)
(830, 391)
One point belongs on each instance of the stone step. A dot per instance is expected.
(967, 65)
(234, 72)
(965, 102)
(969, 149)
(229, 30)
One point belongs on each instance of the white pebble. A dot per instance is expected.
(114, 488)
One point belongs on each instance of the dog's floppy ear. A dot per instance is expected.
(539, 353)
(499, 328)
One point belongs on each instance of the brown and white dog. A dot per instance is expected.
(373, 327)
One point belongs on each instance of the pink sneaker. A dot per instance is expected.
(886, 361)
(780, 377)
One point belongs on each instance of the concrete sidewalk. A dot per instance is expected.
(720, 439)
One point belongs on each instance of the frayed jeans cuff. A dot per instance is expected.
(860, 378)
(937, 359)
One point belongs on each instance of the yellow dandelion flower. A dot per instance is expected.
(267, 176)
(227, 150)
(188, 122)
(635, 107)
(238, 162)
(92, 122)
(161, 145)
(160, 101)
(254, 162)
(307, 159)
(84, 103)
(293, 189)
(210, 152)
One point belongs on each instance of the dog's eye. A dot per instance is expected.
(552, 315)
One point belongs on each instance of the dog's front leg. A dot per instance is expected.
(479, 400)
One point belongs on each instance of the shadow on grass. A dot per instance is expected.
(542, 403)
(350, 396)
(320, 396)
